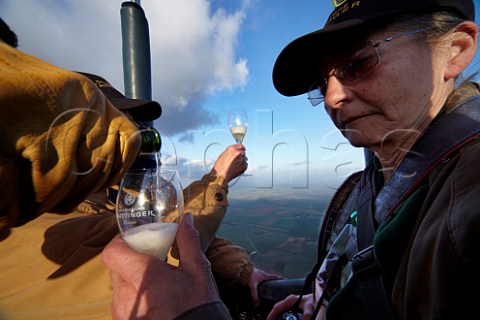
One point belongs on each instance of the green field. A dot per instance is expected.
(281, 236)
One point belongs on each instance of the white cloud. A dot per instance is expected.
(193, 48)
(78, 35)
(189, 170)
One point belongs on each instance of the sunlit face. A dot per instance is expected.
(395, 100)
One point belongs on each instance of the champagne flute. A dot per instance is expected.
(238, 124)
(148, 208)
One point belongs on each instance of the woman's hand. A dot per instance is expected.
(307, 305)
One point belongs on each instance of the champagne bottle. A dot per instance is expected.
(148, 158)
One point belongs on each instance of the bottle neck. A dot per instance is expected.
(151, 141)
(149, 157)
(145, 162)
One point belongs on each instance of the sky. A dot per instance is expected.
(207, 57)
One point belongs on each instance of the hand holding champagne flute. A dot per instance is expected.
(238, 124)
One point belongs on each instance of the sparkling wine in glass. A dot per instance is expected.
(148, 209)
(238, 124)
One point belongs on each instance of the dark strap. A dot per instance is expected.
(375, 300)
(444, 136)
(339, 265)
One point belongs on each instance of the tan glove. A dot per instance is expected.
(60, 139)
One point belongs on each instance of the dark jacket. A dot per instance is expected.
(427, 250)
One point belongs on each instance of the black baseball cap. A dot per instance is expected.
(293, 73)
(141, 110)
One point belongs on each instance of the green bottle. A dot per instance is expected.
(149, 156)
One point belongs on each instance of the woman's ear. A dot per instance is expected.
(462, 50)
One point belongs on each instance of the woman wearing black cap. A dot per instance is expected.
(400, 239)
(387, 73)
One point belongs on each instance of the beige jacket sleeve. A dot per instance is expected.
(61, 139)
(230, 263)
(206, 199)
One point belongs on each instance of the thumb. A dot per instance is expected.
(188, 242)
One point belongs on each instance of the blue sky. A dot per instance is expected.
(207, 57)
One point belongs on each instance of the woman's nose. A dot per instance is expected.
(335, 91)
